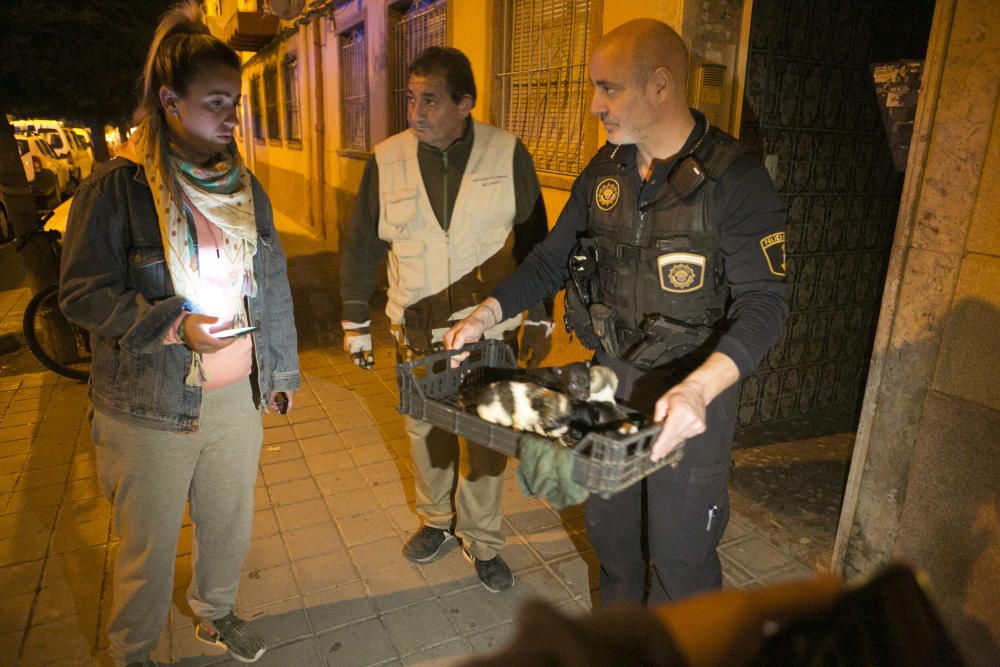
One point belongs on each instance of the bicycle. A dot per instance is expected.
(59, 345)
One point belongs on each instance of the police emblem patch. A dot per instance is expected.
(607, 194)
(774, 251)
(681, 272)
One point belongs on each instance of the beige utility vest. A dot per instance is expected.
(423, 259)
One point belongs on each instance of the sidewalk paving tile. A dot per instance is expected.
(329, 569)
(266, 552)
(392, 589)
(755, 555)
(314, 540)
(339, 606)
(363, 643)
(421, 626)
(442, 655)
(262, 587)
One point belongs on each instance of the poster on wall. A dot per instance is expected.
(897, 87)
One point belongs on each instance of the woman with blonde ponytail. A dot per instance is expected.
(169, 247)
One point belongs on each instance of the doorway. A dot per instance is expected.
(810, 105)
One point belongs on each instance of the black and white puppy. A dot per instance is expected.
(525, 406)
(574, 379)
(603, 384)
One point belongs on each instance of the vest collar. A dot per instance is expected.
(466, 137)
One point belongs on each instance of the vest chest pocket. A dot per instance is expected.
(400, 212)
(681, 281)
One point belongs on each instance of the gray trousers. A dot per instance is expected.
(148, 475)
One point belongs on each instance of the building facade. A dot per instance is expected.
(323, 86)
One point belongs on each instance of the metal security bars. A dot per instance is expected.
(354, 90)
(422, 25)
(290, 79)
(271, 102)
(543, 78)
(255, 110)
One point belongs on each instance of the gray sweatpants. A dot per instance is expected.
(148, 475)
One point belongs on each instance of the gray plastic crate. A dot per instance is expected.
(428, 390)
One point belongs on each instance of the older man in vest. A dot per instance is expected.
(453, 205)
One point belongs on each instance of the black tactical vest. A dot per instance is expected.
(660, 257)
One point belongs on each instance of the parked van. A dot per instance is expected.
(83, 156)
(43, 182)
(84, 133)
(57, 136)
(44, 158)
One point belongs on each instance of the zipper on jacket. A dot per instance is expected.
(445, 213)
(644, 213)
(446, 226)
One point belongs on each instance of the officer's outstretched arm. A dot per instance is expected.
(682, 407)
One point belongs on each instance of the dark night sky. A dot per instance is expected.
(74, 59)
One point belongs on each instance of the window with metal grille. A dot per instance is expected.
(412, 29)
(271, 102)
(354, 90)
(255, 115)
(290, 79)
(543, 79)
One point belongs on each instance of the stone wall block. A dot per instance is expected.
(961, 129)
(984, 235)
(969, 361)
(950, 525)
(907, 370)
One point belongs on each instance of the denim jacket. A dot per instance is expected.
(114, 283)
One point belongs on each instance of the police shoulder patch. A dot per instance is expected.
(681, 272)
(606, 194)
(773, 246)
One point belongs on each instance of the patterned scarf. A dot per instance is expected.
(222, 193)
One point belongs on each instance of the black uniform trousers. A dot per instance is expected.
(674, 518)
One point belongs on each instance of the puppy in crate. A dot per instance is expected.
(560, 402)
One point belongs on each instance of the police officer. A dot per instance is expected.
(452, 204)
(674, 236)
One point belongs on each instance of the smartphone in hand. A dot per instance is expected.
(238, 331)
(281, 400)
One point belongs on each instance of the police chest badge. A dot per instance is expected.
(681, 272)
(607, 194)
(774, 251)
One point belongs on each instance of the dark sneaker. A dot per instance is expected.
(494, 572)
(234, 634)
(428, 544)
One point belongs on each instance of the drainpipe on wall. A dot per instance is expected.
(319, 133)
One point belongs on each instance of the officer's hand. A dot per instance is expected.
(358, 343)
(536, 342)
(682, 411)
(194, 333)
(471, 329)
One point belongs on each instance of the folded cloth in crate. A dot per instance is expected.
(545, 470)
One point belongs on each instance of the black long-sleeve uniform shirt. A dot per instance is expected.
(746, 210)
